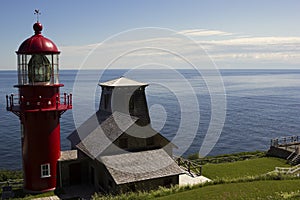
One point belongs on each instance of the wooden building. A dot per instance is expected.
(116, 149)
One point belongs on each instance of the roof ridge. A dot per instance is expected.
(122, 81)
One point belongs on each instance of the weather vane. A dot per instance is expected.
(37, 13)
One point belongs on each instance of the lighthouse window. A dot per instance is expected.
(45, 170)
(38, 68)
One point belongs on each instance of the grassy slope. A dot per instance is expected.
(242, 168)
(263, 189)
(244, 190)
(248, 190)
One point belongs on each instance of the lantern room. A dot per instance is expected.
(38, 60)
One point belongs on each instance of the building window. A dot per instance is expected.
(45, 170)
(123, 143)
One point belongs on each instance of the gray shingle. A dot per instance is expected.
(97, 136)
(138, 166)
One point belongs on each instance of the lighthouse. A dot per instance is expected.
(39, 106)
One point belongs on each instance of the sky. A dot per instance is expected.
(233, 34)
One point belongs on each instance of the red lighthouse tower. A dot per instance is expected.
(39, 106)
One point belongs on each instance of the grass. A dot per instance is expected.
(239, 169)
(270, 189)
(19, 194)
(14, 177)
(284, 188)
(231, 180)
(225, 158)
(10, 174)
(236, 180)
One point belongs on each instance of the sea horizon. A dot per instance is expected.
(261, 104)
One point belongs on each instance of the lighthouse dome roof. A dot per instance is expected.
(38, 43)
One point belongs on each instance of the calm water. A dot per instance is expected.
(261, 104)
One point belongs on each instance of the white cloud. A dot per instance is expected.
(227, 49)
(203, 32)
(257, 41)
(255, 51)
(77, 50)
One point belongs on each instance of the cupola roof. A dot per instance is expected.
(38, 44)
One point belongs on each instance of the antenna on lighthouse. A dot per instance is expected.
(37, 13)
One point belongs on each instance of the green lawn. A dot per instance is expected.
(253, 189)
(238, 169)
(262, 189)
(249, 190)
(270, 189)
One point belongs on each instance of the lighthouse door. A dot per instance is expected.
(75, 174)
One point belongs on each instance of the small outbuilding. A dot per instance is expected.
(116, 149)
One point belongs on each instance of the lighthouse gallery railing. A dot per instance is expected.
(14, 101)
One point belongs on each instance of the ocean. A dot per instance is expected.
(258, 105)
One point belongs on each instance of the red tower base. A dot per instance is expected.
(41, 150)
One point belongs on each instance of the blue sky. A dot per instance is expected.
(234, 33)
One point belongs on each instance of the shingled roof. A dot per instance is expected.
(139, 166)
(96, 134)
(87, 127)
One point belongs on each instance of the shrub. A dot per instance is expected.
(194, 156)
(5, 175)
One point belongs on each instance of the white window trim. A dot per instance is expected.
(48, 170)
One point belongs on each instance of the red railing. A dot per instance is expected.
(15, 102)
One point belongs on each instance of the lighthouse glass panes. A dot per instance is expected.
(38, 69)
(45, 170)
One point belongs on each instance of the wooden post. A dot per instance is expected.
(178, 161)
(7, 102)
(272, 142)
(200, 171)
(12, 100)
